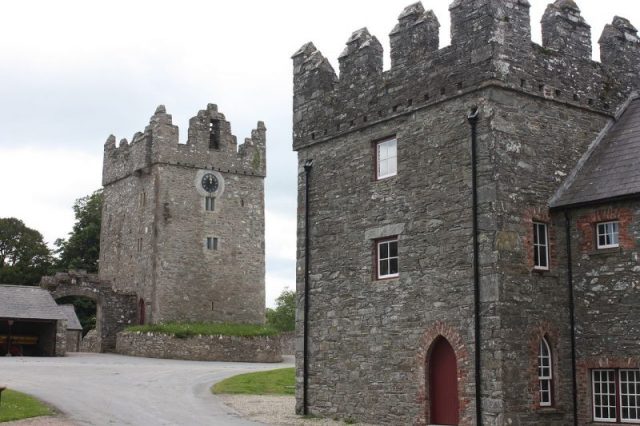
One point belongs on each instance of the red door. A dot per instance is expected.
(141, 311)
(443, 384)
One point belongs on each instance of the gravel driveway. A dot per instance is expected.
(107, 389)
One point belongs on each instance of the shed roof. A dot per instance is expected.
(25, 302)
(611, 168)
(73, 323)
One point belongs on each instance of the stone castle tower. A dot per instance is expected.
(183, 224)
(390, 243)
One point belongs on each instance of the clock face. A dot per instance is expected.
(209, 182)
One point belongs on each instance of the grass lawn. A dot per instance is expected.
(183, 330)
(273, 382)
(16, 406)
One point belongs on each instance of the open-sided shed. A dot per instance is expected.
(31, 323)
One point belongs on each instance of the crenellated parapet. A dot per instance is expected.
(490, 45)
(210, 145)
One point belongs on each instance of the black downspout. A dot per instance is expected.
(305, 346)
(473, 121)
(572, 317)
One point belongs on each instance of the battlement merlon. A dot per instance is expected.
(415, 35)
(361, 59)
(210, 145)
(565, 30)
(491, 44)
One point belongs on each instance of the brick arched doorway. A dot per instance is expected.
(443, 383)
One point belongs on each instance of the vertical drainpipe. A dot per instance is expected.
(572, 316)
(472, 117)
(305, 330)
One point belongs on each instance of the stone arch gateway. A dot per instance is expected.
(115, 310)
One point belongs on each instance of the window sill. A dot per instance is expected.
(390, 280)
(549, 411)
(600, 423)
(605, 252)
(391, 178)
(544, 273)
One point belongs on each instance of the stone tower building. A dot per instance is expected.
(183, 224)
(435, 282)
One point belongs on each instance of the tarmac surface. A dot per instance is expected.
(108, 389)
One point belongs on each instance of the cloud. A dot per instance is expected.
(39, 186)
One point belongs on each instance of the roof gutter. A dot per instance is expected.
(597, 202)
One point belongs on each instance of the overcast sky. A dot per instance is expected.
(73, 72)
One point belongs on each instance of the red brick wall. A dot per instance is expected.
(583, 379)
(539, 214)
(465, 370)
(586, 225)
(549, 331)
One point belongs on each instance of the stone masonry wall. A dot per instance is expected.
(535, 144)
(155, 224)
(365, 334)
(115, 309)
(61, 338)
(607, 284)
(539, 109)
(200, 348)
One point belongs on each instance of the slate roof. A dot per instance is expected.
(612, 168)
(73, 323)
(24, 302)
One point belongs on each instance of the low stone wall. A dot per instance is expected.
(288, 343)
(89, 342)
(200, 348)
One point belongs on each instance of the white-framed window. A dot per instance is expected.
(616, 395)
(545, 373)
(604, 395)
(540, 246)
(607, 234)
(210, 203)
(212, 243)
(387, 258)
(630, 396)
(386, 158)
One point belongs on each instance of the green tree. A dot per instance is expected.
(82, 249)
(24, 257)
(283, 317)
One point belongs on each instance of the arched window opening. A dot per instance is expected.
(141, 311)
(545, 373)
(443, 384)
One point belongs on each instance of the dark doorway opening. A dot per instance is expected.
(443, 384)
(141, 311)
(27, 337)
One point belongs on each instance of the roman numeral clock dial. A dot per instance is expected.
(209, 183)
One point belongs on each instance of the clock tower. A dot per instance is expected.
(183, 224)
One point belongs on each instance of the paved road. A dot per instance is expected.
(106, 389)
